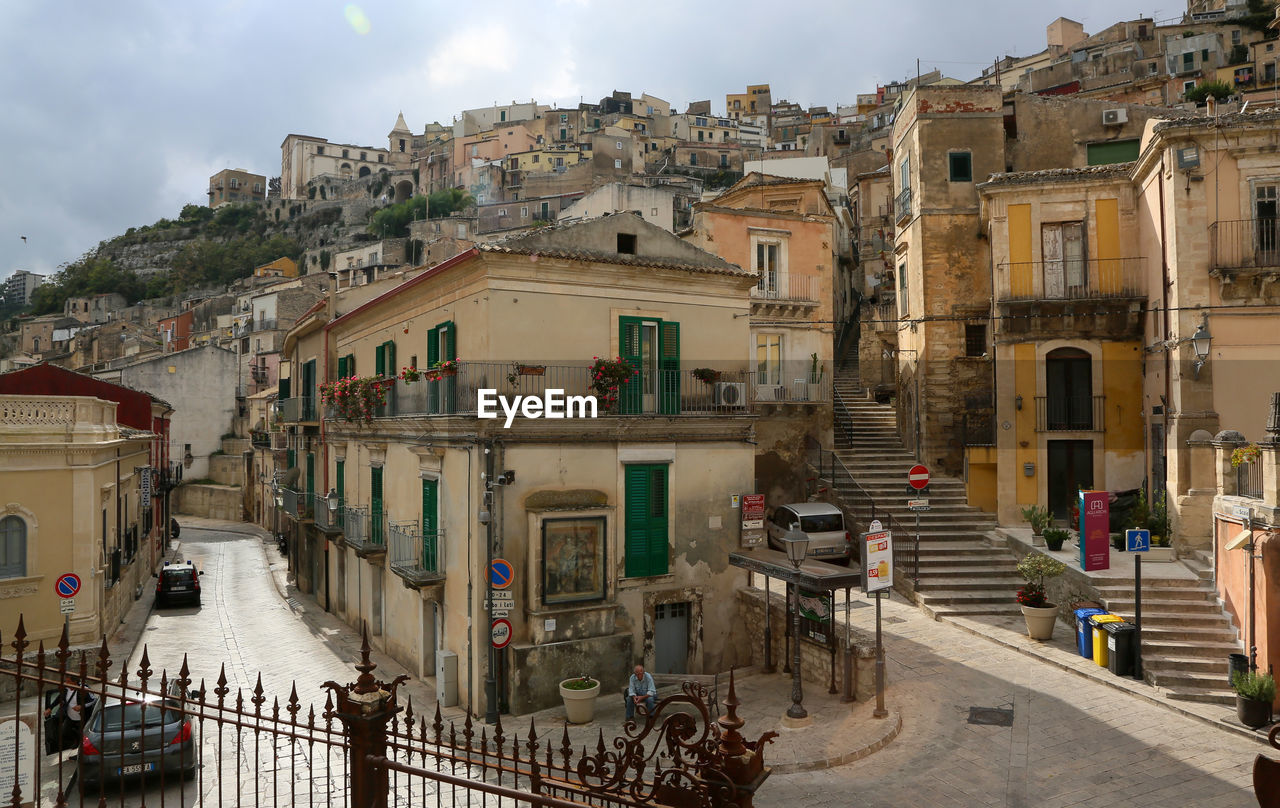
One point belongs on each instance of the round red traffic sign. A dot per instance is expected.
(500, 632)
(67, 585)
(918, 476)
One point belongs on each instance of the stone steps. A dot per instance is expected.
(1179, 649)
(1201, 694)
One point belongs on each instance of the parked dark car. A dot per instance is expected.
(178, 583)
(132, 737)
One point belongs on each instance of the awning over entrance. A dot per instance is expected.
(813, 575)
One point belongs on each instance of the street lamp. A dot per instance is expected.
(1200, 344)
(332, 500)
(797, 545)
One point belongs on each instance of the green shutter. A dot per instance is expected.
(308, 391)
(291, 459)
(380, 360)
(340, 480)
(311, 476)
(375, 505)
(631, 396)
(342, 367)
(351, 364)
(645, 520)
(392, 367)
(430, 499)
(669, 368)
(433, 356)
(449, 384)
(284, 389)
(1115, 151)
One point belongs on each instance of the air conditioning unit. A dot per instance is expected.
(1114, 117)
(731, 394)
(771, 392)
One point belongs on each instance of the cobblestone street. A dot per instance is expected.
(1073, 742)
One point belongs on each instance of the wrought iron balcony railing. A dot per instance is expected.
(902, 205)
(792, 289)
(416, 556)
(1070, 413)
(1244, 244)
(1071, 279)
(652, 392)
(363, 528)
(294, 410)
(326, 520)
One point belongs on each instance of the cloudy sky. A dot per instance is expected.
(116, 113)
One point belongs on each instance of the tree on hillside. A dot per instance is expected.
(87, 276)
(393, 220)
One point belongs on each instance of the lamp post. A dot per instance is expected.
(797, 548)
(1200, 344)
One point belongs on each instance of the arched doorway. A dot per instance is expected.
(364, 171)
(404, 190)
(345, 171)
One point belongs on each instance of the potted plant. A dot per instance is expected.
(409, 375)
(1255, 693)
(706, 375)
(607, 378)
(531, 370)
(1054, 537)
(1038, 612)
(579, 695)
(1037, 517)
(1244, 454)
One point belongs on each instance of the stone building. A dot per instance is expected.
(305, 158)
(94, 308)
(236, 186)
(618, 528)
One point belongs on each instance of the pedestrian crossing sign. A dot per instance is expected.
(1137, 541)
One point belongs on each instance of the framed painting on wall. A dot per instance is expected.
(573, 562)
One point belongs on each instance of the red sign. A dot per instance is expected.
(1095, 530)
(67, 585)
(918, 476)
(752, 507)
(500, 632)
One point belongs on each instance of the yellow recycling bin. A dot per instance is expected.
(1100, 636)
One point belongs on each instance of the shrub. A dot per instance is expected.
(1037, 517)
(1252, 686)
(1036, 567)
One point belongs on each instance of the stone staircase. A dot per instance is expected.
(1186, 635)
(961, 573)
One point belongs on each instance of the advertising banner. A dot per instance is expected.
(877, 561)
(1095, 530)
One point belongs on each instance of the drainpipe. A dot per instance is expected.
(1168, 364)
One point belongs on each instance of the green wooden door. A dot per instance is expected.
(631, 396)
(308, 391)
(645, 520)
(430, 503)
(375, 505)
(669, 368)
(311, 477)
(340, 484)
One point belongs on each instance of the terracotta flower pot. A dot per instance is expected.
(1040, 620)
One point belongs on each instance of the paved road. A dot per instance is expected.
(1072, 742)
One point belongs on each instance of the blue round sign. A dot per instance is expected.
(67, 585)
(501, 573)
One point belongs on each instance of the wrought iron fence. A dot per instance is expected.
(363, 528)
(330, 521)
(1071, 413)
(415, 556)
(185, 742)
(795, 288)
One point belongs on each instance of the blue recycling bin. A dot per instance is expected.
(1084, 631)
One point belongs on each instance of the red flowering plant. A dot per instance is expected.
(441, 369)
(1035, 568)
(355, 398)
(410, 374)
(607, 378)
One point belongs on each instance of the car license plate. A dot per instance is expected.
(824, 551)
(137, 768)
(177, 589)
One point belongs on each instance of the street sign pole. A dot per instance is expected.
(880, 711)
(1137, 616)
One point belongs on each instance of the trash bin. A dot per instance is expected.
(1084, 631)
(1100, 636)
(1120, 647)
(1236, 663)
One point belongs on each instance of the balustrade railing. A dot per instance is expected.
(792, 288)
(1245, 243)
(1249, 480)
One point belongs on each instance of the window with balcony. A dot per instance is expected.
(1062, 250)
(768, 264)
(1068, 374)
(768, 359)
(652, 346)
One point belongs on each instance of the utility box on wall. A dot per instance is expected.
(447, 678)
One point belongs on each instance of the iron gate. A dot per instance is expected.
(184, 743)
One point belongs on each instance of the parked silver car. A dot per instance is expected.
(137, 737)
(821, 522)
